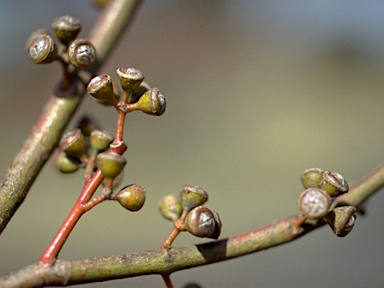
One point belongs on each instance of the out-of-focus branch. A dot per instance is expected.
(88, 270)
(58, 111)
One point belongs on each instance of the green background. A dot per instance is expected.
(257, 91)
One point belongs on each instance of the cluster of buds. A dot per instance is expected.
(43, 49)
(137, 95)
(322, 187)
(188, 213)
(88, 147)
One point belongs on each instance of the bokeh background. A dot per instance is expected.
(257, 91)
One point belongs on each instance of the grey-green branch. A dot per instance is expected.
(95, 269)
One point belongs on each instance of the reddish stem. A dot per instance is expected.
(167, 280)
(51, 253)
(119, 126)
(81, 206)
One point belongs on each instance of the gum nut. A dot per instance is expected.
(334, 184)
(81, 53)
(200, 222)
(66, 28)
(192, 196)
(110, 164)
(66, 164)
(311, 178)
(170, 207)
(130, 78)
(314, 203)
(73, 143)
(152, 102)
(131, 197)
(100, 140)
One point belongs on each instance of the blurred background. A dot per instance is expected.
(257, 91)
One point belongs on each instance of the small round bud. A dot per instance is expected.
(66, 28)
(200, 222)
(314, 203)
(110, 164)
(192, 196)
(334, 184)
(341, 220)
(101, 88)
(311, 178)
(66, 164)
(100, 140)
(73, 144)
(42, 48)
(81, 53)
(170, 207)
(130, 78)
(131, 197)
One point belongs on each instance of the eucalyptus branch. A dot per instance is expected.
(58, 111)
(164, 262)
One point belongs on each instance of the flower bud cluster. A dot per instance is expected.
(322, 187)
(136, 94)
(43, 49)
(76, 147)
(188, 213)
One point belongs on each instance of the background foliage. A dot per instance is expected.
(256, 93)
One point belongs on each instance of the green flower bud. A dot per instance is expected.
(334, 184)
(101, 87)
(131, 197)
(311, 178)
(201, 222)
(110, 164)
(66, 164)
(151, 102)
(341, 220)
(81, 53)
(314, 203)
(130, 78)
(192, 196)
(100, 140)
(73, 144)
(66, 28)
(170, 207)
